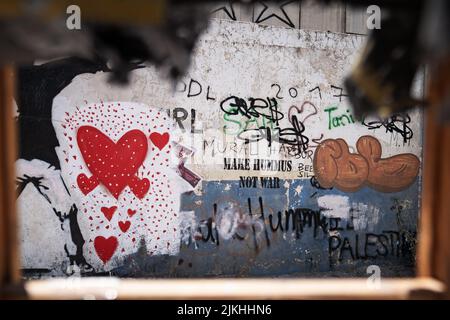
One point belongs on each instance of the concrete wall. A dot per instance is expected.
(252, 165)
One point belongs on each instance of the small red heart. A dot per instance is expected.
(108, 212)
(139, 186)
(124, 225)
(86, 184)
(159, 140)
(131, 212)
(105, 248)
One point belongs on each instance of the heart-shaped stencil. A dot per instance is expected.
(124, 225)
(159, 140)
(105, 247)
(131, 212)
(86, 184)
(108, 212)
(113, 164)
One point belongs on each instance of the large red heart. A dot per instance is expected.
(159, 140)
(105, 248)
(112, 164)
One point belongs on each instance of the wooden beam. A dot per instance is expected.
(434, 235)
(132, 12)
(113, 288)
(429, 187)
(9, 248)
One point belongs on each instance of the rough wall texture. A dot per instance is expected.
(252, 165)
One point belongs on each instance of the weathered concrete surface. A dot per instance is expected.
(266, 94)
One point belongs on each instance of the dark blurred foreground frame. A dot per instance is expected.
(433, 276)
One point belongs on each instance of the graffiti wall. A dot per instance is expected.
(251, 165)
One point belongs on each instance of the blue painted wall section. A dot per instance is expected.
(310, 245)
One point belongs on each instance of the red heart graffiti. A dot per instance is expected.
(108, 212)
(86, 184)
(112, 164)
(139, 186)
(124, 225)
(105, 248)
(159, 140)
(131, 212)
